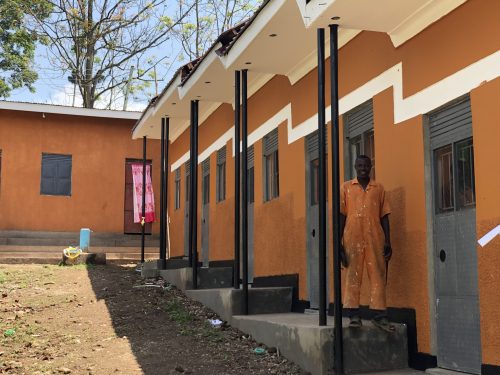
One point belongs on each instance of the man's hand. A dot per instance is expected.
(387, 252)
(343, 257)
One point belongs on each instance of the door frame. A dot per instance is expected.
(429, 180)
(148, 225)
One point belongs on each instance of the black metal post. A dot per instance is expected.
(167, 168)
(334, 86)
(195, 194)
(322, 180)
(244, 229)
(237, 187)
(164, 205)
(190, 211)
(143, 218)
(162, 190)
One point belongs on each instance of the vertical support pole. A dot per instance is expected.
(162, 190)
(322, 180)
(190, 211)
(334, 86)
(143, 213)
(244, 162)
(167, 169)
(194, 178)
(237, 187)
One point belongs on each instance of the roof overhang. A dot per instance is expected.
(281, 40)
(70, 111)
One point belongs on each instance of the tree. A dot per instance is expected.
(17, 44)
(206, 20)
(99, 42)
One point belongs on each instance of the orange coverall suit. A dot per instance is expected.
(364, 240)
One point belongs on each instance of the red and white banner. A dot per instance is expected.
(150, 201)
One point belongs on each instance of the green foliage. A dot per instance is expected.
(177, 312)
(17, 44)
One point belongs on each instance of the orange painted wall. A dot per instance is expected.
(280, 225)
(99, 147)
(486, 132)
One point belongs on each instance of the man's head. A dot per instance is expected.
(363, 166)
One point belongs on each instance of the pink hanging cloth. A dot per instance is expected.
(150, 202)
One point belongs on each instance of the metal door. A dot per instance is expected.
(186, 209)
(312, 213)
(205, 209)
(251, 200)
(251, 195)
(457, 300)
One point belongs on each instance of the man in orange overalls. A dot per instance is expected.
(366, 239)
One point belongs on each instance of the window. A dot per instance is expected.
(271, 166)
(56, 175)
(221, 175)
(177, 188)
(360, 137)
(454, 166)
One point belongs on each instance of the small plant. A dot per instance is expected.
(177, 312)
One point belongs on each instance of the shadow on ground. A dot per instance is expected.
(170, 334)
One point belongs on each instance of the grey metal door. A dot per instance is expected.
(205, 210)
(251, 200)
(457, 300)
(186, 210)
(312, 213)
(251, 195)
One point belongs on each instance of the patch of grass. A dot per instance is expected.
(3, 277)
(177, 312)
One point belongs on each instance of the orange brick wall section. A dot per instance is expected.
(99, 147)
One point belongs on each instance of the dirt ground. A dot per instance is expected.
(107, 320)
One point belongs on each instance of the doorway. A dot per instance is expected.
(312, 218)
(454, 236)
(205, 211)
(129, 227)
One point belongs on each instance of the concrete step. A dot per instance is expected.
(300, 338)
(227, 302)
(208, 278)
(41, 254)
(442, 371)
(38, 238)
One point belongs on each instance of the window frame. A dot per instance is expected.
(177, 189)
(58, 160)
(270, 160)
(221, 176)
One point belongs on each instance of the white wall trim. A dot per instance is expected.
(217, 145)
(184, 158)
(424, 101)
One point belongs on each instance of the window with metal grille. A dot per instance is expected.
(221, 175)
(177, 188)
(359, 137)
(56, 175)
(271, 166)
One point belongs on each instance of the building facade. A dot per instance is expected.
(421, 99)
(63, 168)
